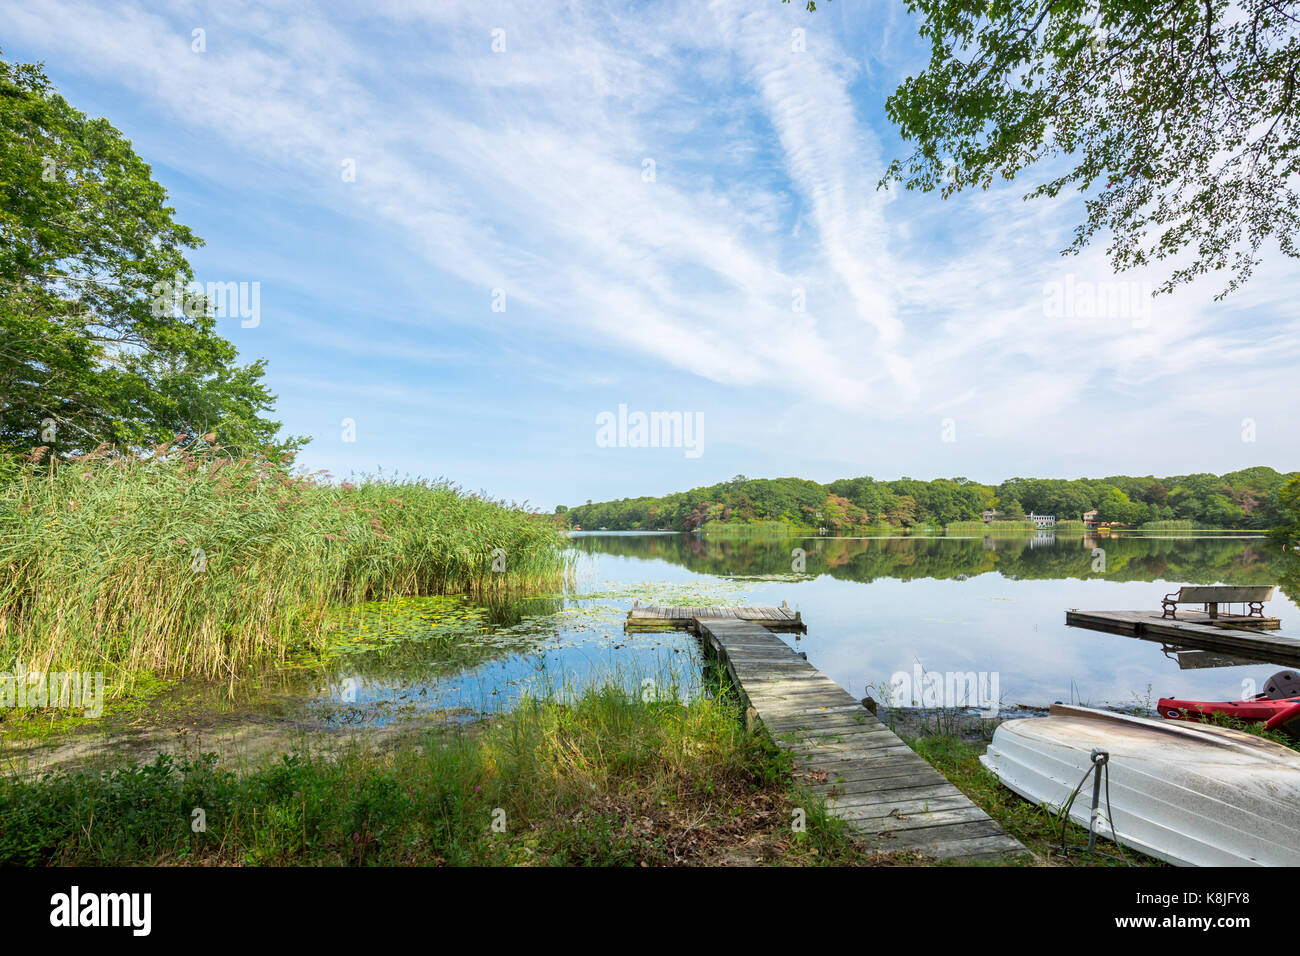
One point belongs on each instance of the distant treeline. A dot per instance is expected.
(1253, 498)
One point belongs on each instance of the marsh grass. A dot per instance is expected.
(993, 528)
(609, 778)
(1254, 728)
(184, 562)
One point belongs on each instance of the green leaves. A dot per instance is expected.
(86, 239)
(1176, 119)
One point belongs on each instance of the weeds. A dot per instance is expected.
(187, 563)
(608, 779)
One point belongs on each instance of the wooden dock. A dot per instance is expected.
(659, 616)
(883, 789)
(1194, 629)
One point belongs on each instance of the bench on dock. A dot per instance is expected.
(1211, 596)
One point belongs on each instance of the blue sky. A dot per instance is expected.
(937, 338)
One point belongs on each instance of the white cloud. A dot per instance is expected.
(523, 170)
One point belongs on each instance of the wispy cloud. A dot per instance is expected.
(529, 171)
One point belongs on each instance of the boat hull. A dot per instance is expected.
(1190, 794)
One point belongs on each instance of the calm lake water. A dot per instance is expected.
(874, 607)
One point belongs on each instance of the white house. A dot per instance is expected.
(1042, 521)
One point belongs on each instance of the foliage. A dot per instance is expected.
(1179, 117)
(1288, 503)
(1246, 499)
(188, 561)
(609, 779)
(1186, 559)
(90, 348)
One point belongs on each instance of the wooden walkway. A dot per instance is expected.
(667, 615)
(1192, 630)
(887, 793)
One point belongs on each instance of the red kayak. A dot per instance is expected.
(1281, 715)
(1274, 711)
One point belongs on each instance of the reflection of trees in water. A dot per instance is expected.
(1289, 576)
(1182, 559)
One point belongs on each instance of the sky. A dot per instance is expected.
(477, 229)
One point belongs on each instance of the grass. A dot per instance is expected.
(755, 528)
(954, 748)
(606, 779)
(1255, 728)
(953, 745)
(992, 528)
(184, 562)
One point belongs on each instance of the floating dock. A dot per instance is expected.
(1227, 634)
(887, 794)
(659, 616)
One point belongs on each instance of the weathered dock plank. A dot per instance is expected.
(685, 616)
(882, 788)
(1194, 632)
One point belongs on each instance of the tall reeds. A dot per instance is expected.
(184, 562)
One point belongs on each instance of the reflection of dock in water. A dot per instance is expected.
(1245, 640)
(1191, 659)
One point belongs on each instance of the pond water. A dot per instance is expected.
(874, 608)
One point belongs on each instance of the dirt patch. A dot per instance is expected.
(241, 739)
(749, 825)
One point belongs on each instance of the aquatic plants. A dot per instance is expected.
(187, 562)
(610, 778)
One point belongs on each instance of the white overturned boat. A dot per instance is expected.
(1187, 793)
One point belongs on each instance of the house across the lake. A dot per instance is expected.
(988, 515)
(1041, 521)
(1090, 518)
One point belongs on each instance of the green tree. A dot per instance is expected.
(1288, 500)
(1114, 505)
(903, 511)
(1176, 118)
(92, 347)
(1221, 512)
(1010, 509)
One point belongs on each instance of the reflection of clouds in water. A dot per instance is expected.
(870, 606)
(874, 607)
(591, 649)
